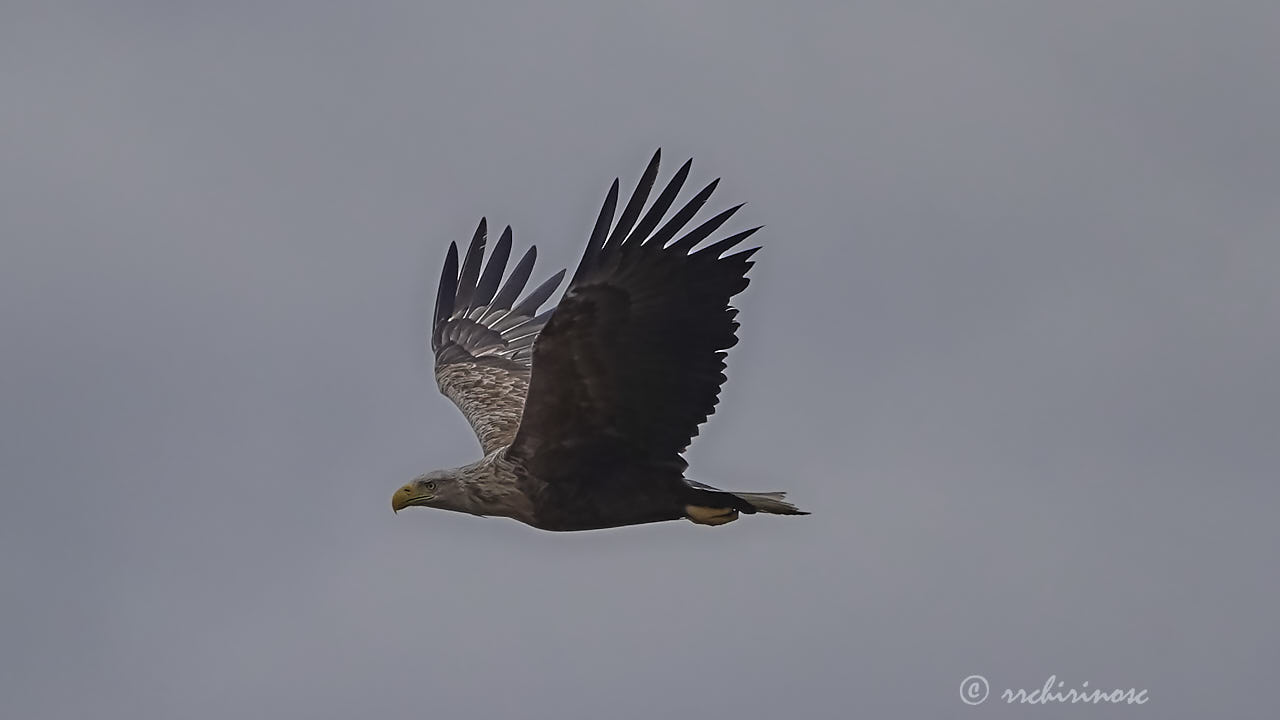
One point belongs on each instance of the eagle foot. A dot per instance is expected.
(710, 516)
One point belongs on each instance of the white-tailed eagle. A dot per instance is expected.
(584, 411)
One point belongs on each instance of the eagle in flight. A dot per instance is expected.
(584, 411)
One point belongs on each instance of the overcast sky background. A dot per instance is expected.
(1013, 338)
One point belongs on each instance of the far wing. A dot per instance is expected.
(483, 339)
(632, 359)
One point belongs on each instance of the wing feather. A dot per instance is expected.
(488, 284)
(516, 281)
(660, 206)
(534, 300)
(445, 294)
(598, 234)
(682, 218)
(632, 211)
(471, 267)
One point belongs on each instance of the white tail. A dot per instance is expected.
(771, 502)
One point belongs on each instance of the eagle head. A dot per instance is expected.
(424, 490)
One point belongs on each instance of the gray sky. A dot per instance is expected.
(1013, 338)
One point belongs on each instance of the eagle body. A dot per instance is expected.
(584, 411)
(597, 498)
(605, 498)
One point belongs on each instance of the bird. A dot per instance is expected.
(584, 411)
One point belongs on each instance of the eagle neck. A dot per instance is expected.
(490, 488)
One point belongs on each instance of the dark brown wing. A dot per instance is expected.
(483, 339)
(632, 359)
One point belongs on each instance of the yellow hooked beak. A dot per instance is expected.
(406, 496)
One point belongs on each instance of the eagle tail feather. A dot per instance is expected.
(770, 502)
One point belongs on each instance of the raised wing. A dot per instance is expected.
(632, 359)
(482, 338)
